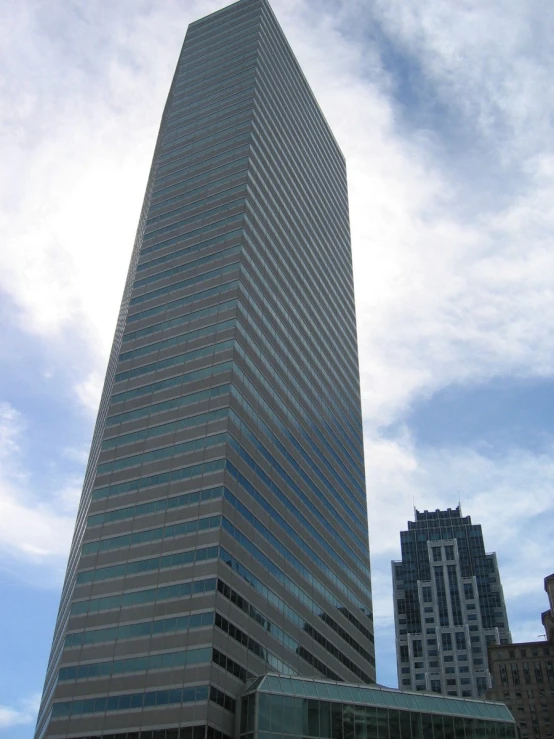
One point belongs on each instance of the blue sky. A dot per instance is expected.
(443, 110)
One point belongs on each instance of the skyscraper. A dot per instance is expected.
(222, 530)
(449, 605)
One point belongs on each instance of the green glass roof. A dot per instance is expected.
(374, 695)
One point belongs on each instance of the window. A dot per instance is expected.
(447, 641)
(481, 685)
(437, 554)
(526, 673)
(460, 640)
(449, 552)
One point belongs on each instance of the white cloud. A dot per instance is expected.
(489, 62)
(25, 713)
(89, 390)
(35, 525)
(507, 490)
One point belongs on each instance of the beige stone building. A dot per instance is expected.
(523, 677)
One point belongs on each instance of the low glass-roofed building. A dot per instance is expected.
(279, 707)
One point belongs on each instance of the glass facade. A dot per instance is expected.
(449, 605)
(222, 529)
(278, 707)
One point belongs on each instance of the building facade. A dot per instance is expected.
(547, 616)
(222, 529)
(449, 605)
(523, 678)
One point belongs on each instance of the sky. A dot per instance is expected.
(444, 112)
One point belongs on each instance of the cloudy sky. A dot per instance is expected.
(444, 111)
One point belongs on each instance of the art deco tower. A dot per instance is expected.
(222, 530)
(449, 605)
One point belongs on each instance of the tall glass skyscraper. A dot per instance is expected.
(222, 531)
(449, 605)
